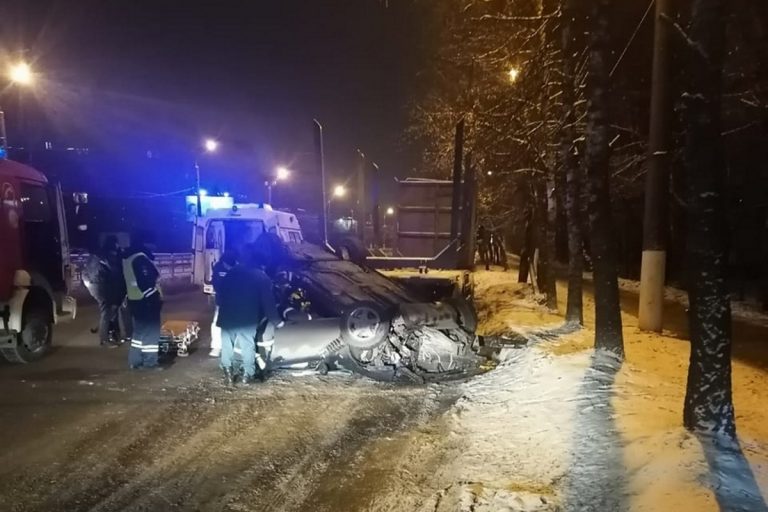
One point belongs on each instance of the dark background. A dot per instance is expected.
(140, 83)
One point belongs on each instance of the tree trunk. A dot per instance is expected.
(608, 333)
(570, 167)
(548, 222)
(708, 400)
(526, 255)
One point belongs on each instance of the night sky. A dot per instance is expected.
(128, 76)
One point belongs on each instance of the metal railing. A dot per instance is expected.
(170, 266)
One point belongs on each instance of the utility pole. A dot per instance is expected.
(362, 209)
(197, 190)
(653, 267)
(376, 207)
(458, 160)
(3, 137)
(320, 164)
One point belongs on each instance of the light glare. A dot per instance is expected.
(282, 174)
(21, 73)
(513, 74)
(339, 191)
(211, 145)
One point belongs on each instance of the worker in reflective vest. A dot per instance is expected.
(144, 303)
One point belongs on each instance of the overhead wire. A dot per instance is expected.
(632, 38)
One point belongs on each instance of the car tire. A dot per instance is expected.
(365, 325)
(350, 249)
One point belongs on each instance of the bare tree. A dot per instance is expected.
(570, 166)
(608, 333)
(708, 399)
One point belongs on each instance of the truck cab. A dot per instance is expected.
(230, 229)
(35, 269)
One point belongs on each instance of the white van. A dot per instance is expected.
(230, 229)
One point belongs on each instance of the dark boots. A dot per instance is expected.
(229, 377)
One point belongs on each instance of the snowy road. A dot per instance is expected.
(80, 432)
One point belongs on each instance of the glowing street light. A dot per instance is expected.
(390, 211)
(211, 145)
(513, 74)
(339, 191)
(21, 74)
(282, 173)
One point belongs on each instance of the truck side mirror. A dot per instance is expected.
(81, 200)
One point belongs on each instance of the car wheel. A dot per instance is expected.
(365, 325)
(350, 249)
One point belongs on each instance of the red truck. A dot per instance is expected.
(35, 270)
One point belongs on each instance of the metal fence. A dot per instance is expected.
(170, 266)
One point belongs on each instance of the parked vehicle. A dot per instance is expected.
(35, 270)
(233, 228)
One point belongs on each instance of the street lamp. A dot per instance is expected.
(390, 211)
(20, 74)
(210, 146)
(339, 191)
(281, 174)
(513, 74)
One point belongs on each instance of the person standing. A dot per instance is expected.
(116, 292)
(219, 271)
(144, 303)
(245, 300)
(484, 246)
(99, 279)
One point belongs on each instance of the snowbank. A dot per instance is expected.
(558, 427)
(743, 311)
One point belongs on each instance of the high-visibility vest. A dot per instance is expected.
(131, 284)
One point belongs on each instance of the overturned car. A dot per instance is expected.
(341, 314)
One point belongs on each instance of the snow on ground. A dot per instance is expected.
(516, 431)
(558, 427)
(740, 310)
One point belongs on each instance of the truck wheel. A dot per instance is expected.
(36, 335)
(365, 325)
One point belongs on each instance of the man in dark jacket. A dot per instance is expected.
(218, 273)
(245, 299)
(145, 304)
(103, 278)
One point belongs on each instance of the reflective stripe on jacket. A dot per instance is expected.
(134, 290)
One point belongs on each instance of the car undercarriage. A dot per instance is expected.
(340, 314)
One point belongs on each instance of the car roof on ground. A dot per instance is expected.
(18, 170)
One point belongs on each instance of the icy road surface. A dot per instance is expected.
(81, 432)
